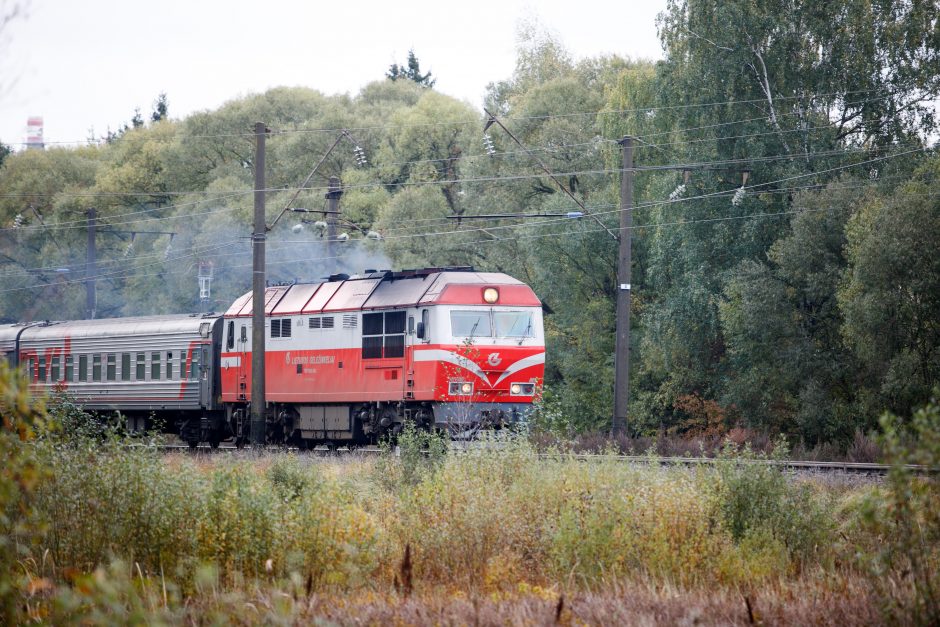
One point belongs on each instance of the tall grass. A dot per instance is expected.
(128, 532)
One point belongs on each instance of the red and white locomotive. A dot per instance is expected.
(349, 359)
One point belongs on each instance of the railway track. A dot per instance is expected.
(803, 466)
(859, 468)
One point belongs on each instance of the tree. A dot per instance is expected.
(788, 366)
(160, 108)
(5, 151)
(891, 293)
(411, 72)
(783, 87)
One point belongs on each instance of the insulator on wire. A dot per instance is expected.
(488, 144)
(738, 197)
(360, 155)
(677, 192)
(130, 245)
(18, 221)
(169, 248)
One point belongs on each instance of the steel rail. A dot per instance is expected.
(786, 464)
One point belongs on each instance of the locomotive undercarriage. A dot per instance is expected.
(306, 426)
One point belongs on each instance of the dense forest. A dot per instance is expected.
(785, 269)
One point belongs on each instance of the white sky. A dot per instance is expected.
(89, 63)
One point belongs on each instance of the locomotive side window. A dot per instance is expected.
(230, 341)
(96, 367)
(383, 334)
(83, 367)
(155, 366)
(125, 366)
(372, 324)
(141, 366)
(69, 370)
(244, 335)
(55, 369)
(169, 365)
(424, 327)
(42, 369)
(395, 334)
(112, 366)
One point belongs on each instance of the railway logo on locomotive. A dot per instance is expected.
(494, 359)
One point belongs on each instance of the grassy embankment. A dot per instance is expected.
(99, 532)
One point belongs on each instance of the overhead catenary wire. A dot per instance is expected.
(502, 227)
(82, 223)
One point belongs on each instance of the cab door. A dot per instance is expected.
(408, 381)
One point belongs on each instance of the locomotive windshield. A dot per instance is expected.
(480, 324)
(513, 323)
(470, 323)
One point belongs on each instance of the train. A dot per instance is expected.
(348, 360)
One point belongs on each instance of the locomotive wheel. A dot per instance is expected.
(193, 444)
(240, 443)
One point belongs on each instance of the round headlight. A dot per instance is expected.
(490, 295)
(466, 388)
(515, 388)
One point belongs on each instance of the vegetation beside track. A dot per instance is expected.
(97, 531)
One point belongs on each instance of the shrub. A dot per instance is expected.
(104, 498)
(758, 498)
(905, 517)
(21, 416)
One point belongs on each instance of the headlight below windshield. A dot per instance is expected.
(522, 389)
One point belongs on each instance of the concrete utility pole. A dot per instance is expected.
(91, 265)
(622, 354)
(257, 294)
(333, 195)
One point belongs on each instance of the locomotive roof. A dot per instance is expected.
(381, 290)
(110, 327)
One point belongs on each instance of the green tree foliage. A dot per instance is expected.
(782, 324)
(411, 71)
(161, 108)
(891, 295)
(789, 92)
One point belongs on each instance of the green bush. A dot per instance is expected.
(104, 498)
(905, 518)
(756, 497)
(21, 416)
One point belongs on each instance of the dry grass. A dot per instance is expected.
(131, 535)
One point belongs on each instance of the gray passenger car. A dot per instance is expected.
(142, 366)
